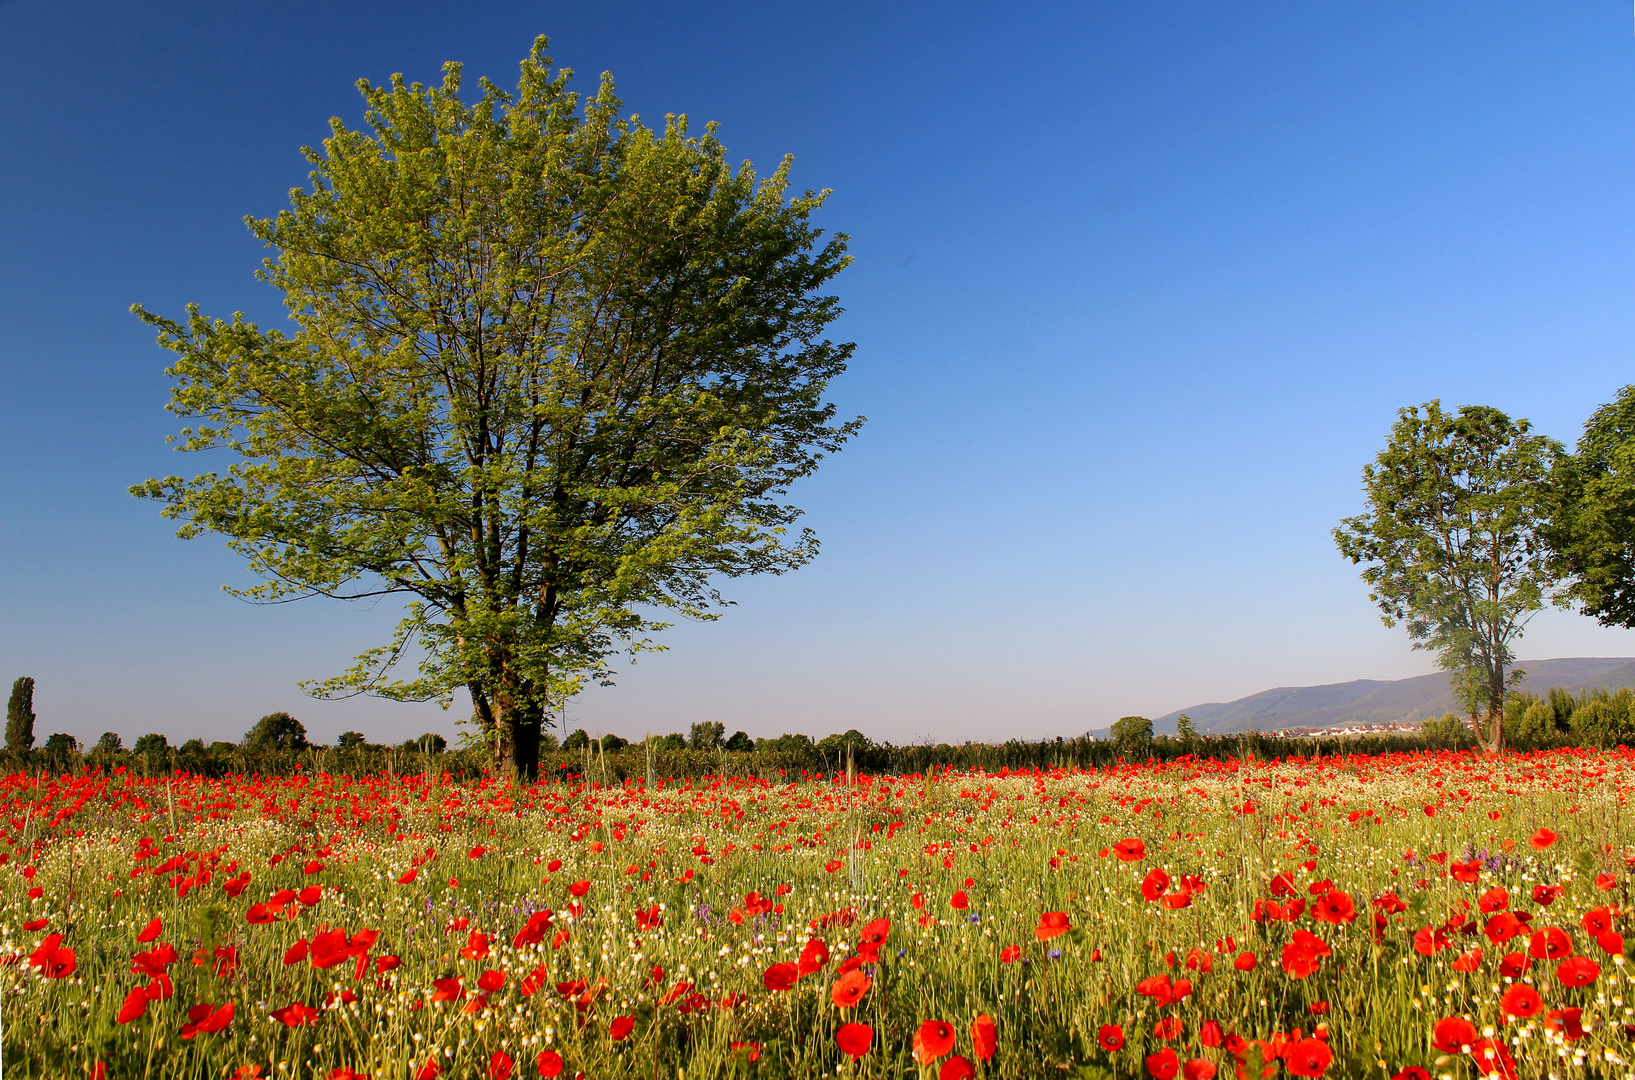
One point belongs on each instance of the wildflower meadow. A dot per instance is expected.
(1402, 916)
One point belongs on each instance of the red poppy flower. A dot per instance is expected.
(296, 953)
(849, 989)
(813, 957)
(1492, 1058)
(1334, 906)
(1430, 940)
(1245, 961)
(956, 1068)
(1597, 921)
(1611, 942)
(1495, 899)
(579, 888)
(500, 1066)
(476, 947)
(1413, 1072)
(549, 1064)
(136, 1003)
(446, 990)
(1154, 884)
(621, 1027)
(295, 1014)
(780, 977)
(428, 1071)
(1308, 1057)
(1551, 943)
(1453, 1034)
(854, 1040)
(1167, 1029)
(934, 1039)
(202, 1019)
(1052, 924)
(984, 1037)
(1198, 1069)
(1577, 971)
(1514, 965)
(1545, 895)
(1111, 1037)
(1521, 1000)
(1130, 850)
(1568, 1022)
(313, 867)
(1542, 839)
(1163, 1065)
(959, 901)
(1210, 1033)
(54, 961)
(1009, 954)
(1469, 961)
(151, 931)
(408, 877)
(490, 981)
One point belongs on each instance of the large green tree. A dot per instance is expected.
(551, 374)
(1593, 528)
(1451, 542)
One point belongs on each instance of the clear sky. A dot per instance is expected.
(1138, 290)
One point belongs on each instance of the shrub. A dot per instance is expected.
(276, 731)
(351, 740)
(707, 735)
(740, 742)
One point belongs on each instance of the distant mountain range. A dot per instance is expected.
(1370, 701)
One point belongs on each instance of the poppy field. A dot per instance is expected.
(1405, 916)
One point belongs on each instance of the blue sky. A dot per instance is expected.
(1138, 290)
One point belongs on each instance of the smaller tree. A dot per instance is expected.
(707, 735)
(60, 745)
(276, 731)
(1132, 735)
(740, 742)
(576, 740)
(429, 743)
(153, 744)
(351, 740)
(110, 743)
(20, 715)
(1453, 543)
(1185, 730)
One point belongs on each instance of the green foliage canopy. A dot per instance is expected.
(1593, 529)
(20, 715)
(551, 373)
(1452, 542)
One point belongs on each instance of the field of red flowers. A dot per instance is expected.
(1411, 916)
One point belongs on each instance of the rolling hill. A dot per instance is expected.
(1371, 701)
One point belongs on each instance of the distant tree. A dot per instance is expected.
(429, 743)
(59, 746)
(110, 743)
(576, 740)
(20, 715)
(553, 373)
(673, 741)
(351, 740)
(1132, 735)
(740, 742)
(547, 743)
(707, 735)
(276, 731)
(1185, 730)
(192, 748)
(153, 744)
(1452, 542)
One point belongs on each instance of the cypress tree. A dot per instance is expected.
(20, 715)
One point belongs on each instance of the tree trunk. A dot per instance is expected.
(516, 751)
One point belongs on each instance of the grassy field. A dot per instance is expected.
(1342, 917)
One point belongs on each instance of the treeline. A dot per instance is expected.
(613, 760)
